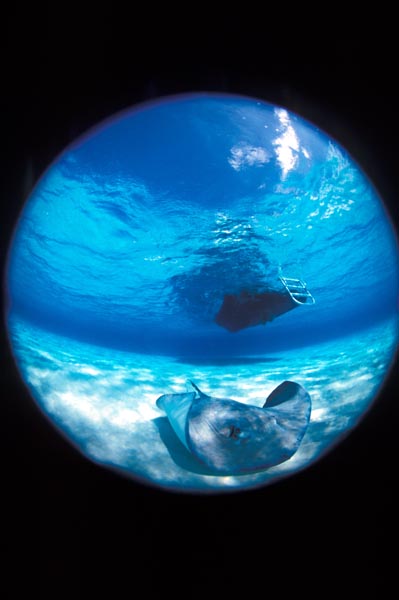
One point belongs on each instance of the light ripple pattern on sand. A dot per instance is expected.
(104, 399)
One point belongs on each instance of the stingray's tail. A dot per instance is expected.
(197, 388)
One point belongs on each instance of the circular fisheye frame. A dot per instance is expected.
(203, 292)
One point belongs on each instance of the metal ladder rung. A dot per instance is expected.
(302, 292)
(291, 279)
(297, 290)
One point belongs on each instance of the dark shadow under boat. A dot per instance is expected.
(226, 361)
(248, 309)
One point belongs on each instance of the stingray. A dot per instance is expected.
(233, 438)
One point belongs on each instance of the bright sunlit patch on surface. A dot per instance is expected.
(244, 155)
(287, 144)
(128, 245)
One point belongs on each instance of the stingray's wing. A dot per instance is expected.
(284, 392)
(176, 407)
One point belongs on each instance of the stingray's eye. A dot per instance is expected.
(230, 431)
(234, 432)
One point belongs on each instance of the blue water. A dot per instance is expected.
(129, 242)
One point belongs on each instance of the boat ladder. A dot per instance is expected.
(297, 290)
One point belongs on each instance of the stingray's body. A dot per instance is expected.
(230, 437)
